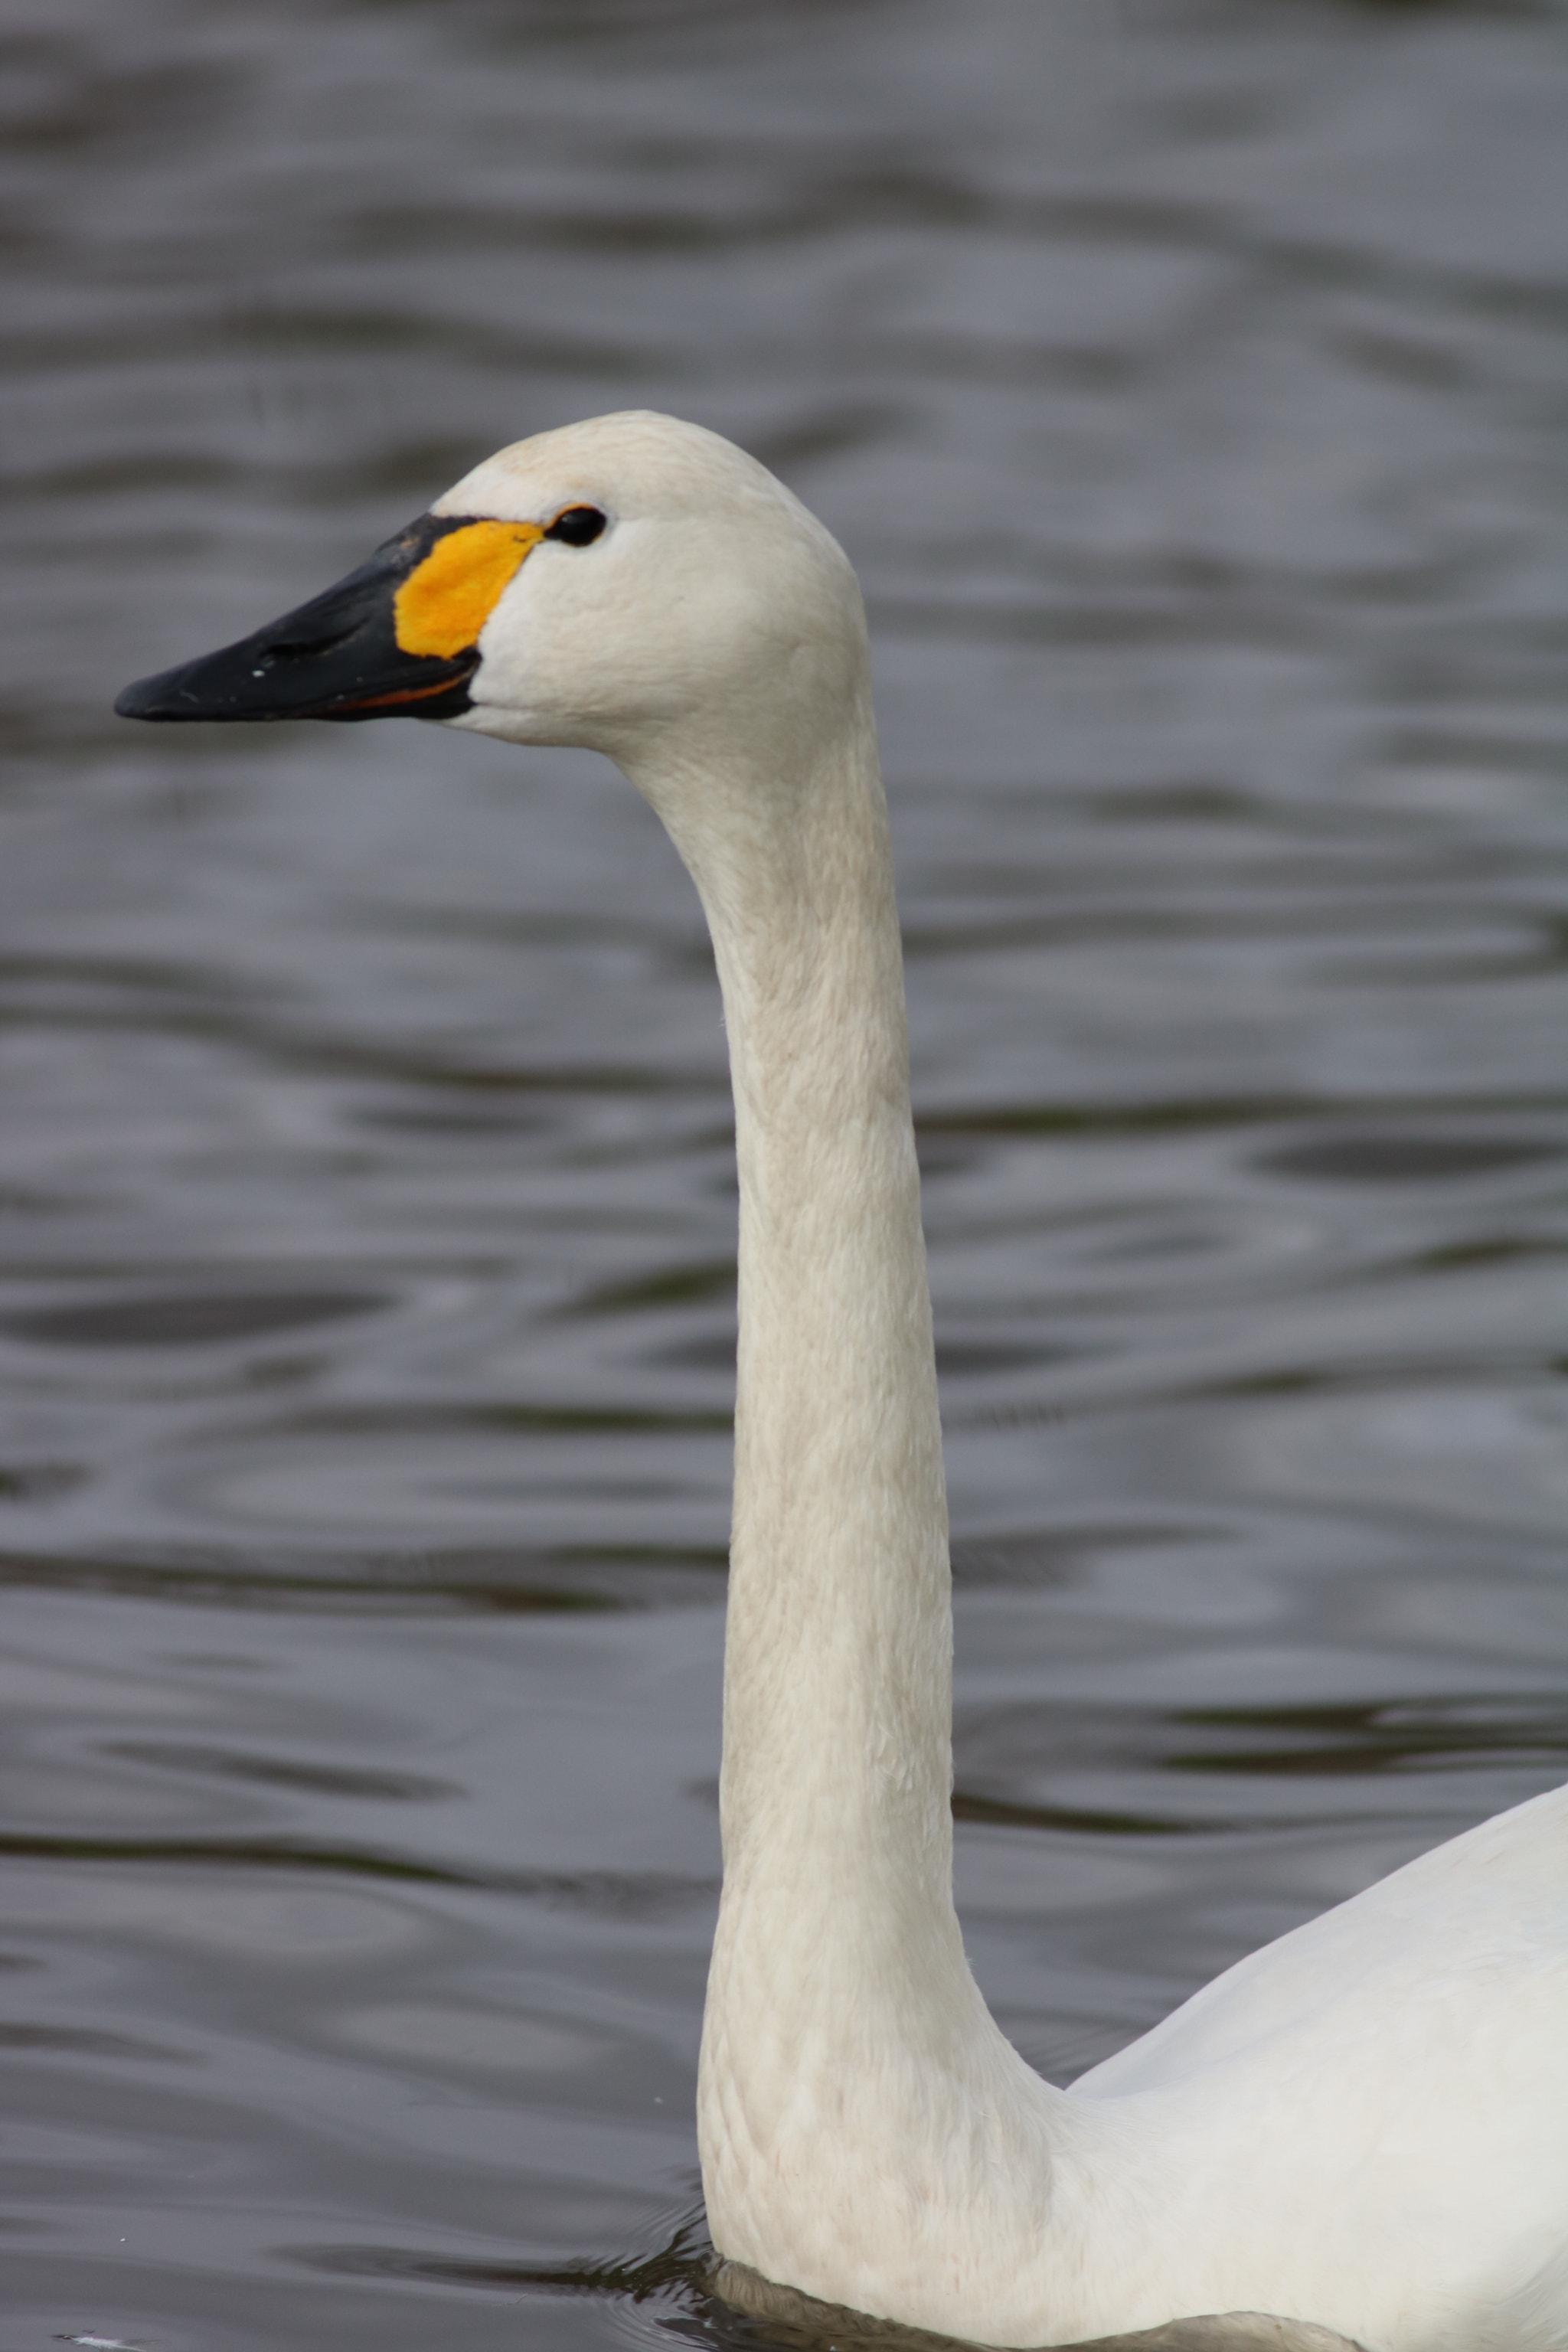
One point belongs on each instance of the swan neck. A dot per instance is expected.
(838, 1675)
(841, 2013)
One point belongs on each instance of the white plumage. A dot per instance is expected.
(1362, 2127)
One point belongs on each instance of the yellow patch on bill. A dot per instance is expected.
(446, 601)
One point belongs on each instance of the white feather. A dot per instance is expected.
(1363, 2128)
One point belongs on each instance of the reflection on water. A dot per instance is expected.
(1181, 385)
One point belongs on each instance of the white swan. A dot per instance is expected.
(1364, 2127)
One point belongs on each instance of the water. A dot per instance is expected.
(1187, 384)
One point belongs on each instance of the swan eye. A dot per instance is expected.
(578, 526)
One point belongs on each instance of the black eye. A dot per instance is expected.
(578, 526)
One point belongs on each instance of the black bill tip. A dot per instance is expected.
(173, 694)
(340, 657)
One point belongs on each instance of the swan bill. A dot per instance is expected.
(398, 638)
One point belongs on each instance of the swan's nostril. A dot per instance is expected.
(288, 649)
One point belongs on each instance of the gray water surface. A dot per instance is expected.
(1188, 383)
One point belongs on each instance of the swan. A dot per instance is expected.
(1360, 2129)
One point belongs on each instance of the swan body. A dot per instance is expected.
(1363, 2128)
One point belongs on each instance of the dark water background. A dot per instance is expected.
(1189, 383)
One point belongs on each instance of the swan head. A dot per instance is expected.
(634, 584)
